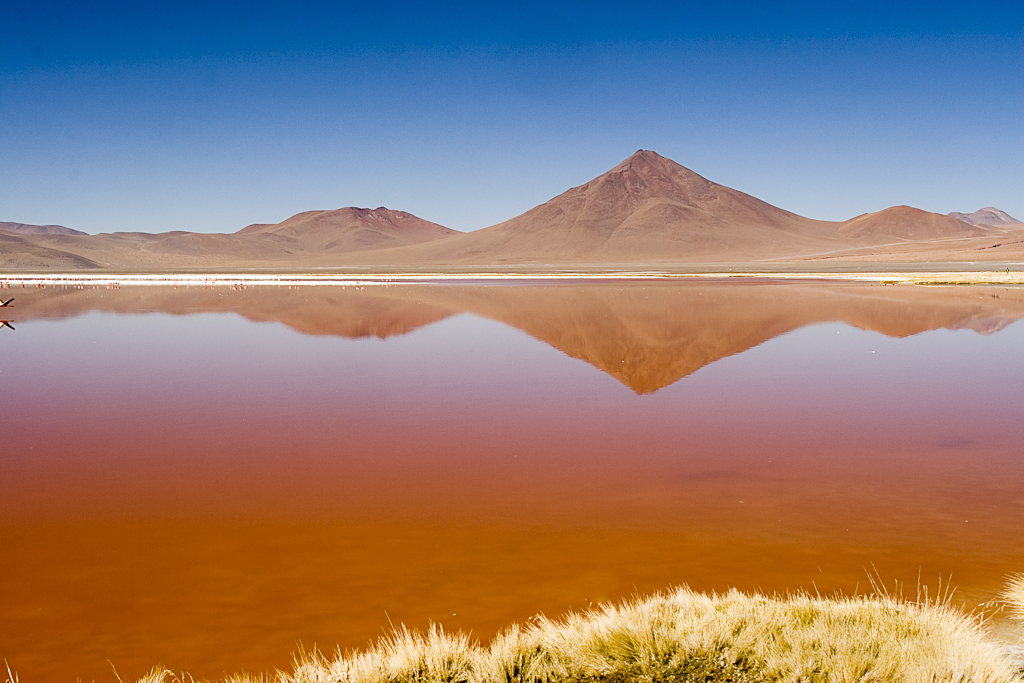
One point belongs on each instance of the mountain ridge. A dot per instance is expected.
(647, 210)
(29, 229)
(650, 209)
(353, 229)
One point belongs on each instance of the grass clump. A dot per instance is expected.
(687, 637)
(1014, 596)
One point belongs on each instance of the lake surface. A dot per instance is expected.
(204, 478)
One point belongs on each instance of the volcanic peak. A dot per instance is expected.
(907, 223)
(989, 215)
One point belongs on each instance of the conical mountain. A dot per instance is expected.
(648, 211)
(648, 207)
(989, 215)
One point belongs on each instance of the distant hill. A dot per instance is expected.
(26, 229)
(646, 211)
(19, 253)
(908, 223)
(296, 242)
(987, 216)
(352, 229)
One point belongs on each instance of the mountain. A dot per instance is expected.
(296, 242)
(990, 215)
(651, 210)
(19, 253)
(648, 211)
(352, 229)
(26, 229)
(646, 208)
(908, 223)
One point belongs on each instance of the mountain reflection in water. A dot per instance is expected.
(646, 336)
(204, 492)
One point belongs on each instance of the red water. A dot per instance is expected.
(206, 492)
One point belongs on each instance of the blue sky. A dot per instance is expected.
(210, 116)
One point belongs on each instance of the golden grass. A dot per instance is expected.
(685, 636)
(1014, 596)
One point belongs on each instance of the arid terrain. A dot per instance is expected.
(647, 211)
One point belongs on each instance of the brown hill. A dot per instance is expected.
(20, 253)
(646, 212)
(295, 242)
(990, 215)
(908, 223)
(178, 249)
(352, 229)
(648, 208)
(26, 229)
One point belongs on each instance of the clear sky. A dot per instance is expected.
(209, 116)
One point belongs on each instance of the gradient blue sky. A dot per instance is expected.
(210, 116)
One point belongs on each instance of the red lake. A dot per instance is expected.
(207, 477)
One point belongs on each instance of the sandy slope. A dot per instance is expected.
(22, 253)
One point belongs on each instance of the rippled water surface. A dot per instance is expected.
(206, 477)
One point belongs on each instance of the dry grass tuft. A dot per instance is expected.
(686, 636)
(160, 674)
(1014, 596)
(404, 656)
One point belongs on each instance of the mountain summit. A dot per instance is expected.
(647, 207)
(908, 223)
(647, 211)
(990, 215)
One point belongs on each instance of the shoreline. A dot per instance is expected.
(234, 279)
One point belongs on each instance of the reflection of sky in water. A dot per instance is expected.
(466, 374)
(225, 362)
(938, 381)
(461, 453)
